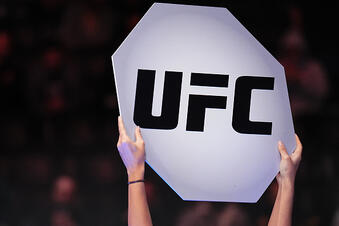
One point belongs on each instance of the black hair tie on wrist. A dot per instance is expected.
(135, 181)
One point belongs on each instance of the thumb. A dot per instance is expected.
(138, 137)
(282, 150)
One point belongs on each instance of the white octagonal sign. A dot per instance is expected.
(211, 101)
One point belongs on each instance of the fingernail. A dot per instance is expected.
(280, 143)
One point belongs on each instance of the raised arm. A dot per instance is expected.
(133, 155)
(283, 206)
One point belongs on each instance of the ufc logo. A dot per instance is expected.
(197, 104)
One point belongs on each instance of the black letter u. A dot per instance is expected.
(170, 102)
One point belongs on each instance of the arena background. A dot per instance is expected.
(58, 161)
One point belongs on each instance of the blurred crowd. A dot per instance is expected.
(58, 161)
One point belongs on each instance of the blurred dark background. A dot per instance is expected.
(58, 132)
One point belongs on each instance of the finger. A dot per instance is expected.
(138, 137)
(298, 150)
(282, 150)
(119, 141)
(122, 130)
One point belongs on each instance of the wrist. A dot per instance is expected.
(287, 184)
(135, 177)
(137, 174)
(135, 181)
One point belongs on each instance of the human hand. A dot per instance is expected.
(132, 153)
(289, 163)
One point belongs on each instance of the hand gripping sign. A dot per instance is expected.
(211, 102)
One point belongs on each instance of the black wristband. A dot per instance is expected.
(135, 181)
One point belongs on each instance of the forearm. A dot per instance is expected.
(286, 203)
(138, 211)
(275, 212)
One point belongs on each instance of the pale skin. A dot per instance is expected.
(133, 155)
(283, 206)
